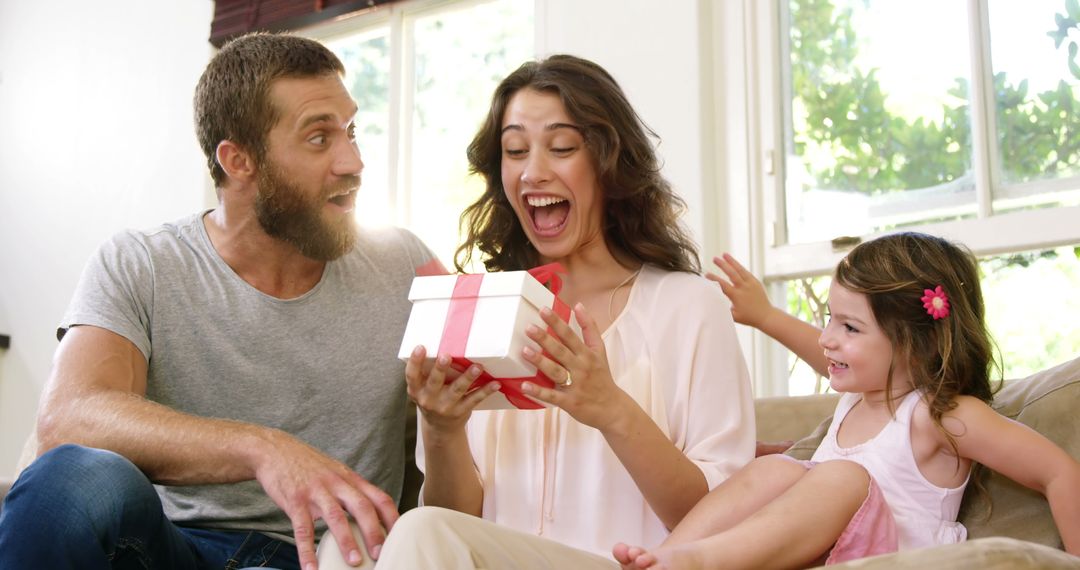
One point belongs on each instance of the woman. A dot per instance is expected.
(652, 405)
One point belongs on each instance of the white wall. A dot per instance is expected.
(95, 136)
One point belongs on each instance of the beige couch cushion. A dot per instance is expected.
(1047, 402)
(982, 554)
(805, 447)
(1044, 401)
(788, 418)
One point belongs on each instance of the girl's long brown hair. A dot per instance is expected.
(947, 357)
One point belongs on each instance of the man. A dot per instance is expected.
(241, 359)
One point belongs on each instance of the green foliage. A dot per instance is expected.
(1067, 22)
(1028, 298)
(873, 151)
(369, 72)
(808, 300)
(1040, 136)
(1022, 260)
(840, 113)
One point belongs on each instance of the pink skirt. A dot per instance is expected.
(871, 531)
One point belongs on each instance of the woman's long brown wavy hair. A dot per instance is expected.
(641, 211)
(947, 357)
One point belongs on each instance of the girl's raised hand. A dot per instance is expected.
(444, 405)
(749, 303)
(579, 368)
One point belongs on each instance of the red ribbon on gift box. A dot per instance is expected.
(459, 324)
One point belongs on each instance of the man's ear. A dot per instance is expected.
(237, 162)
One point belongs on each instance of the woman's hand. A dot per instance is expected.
(579, 368)
(749, 303)
(450, 478)
(445, 406)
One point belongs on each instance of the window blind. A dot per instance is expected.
(236, 17)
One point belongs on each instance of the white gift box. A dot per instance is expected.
(501, 305)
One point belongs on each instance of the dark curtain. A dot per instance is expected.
(236, 17)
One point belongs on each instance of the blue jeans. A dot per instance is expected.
(77, 507)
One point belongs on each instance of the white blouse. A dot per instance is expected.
(925, 513)
(674, 350)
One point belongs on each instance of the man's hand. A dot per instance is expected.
(308, 486)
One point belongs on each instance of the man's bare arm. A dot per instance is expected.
(95, 397)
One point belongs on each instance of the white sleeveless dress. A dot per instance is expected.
(925, 514)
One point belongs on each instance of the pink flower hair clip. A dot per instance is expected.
(936, 302)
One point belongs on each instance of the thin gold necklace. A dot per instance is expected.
(611, 299)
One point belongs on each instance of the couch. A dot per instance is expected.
(1017, 531)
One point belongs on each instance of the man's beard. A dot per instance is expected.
(285, 212)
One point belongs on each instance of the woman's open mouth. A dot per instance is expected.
(548, 213)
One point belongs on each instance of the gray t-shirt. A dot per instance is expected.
(322, 366)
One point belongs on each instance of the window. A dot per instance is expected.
(955, 118)
(423, 73)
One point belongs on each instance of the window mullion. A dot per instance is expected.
(401, 109)
(765, 62)
(779, 26)
(981, 99)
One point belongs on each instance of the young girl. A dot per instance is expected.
(907, 344)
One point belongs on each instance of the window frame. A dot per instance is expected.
(398, 16)
(988, 233)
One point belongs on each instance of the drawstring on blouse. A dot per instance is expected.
(549, 444)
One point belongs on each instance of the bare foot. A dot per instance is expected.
(621, 552)
(632, 557)
(679, 557)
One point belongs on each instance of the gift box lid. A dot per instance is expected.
(505, 303)
(505, 283)
(499, 307)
